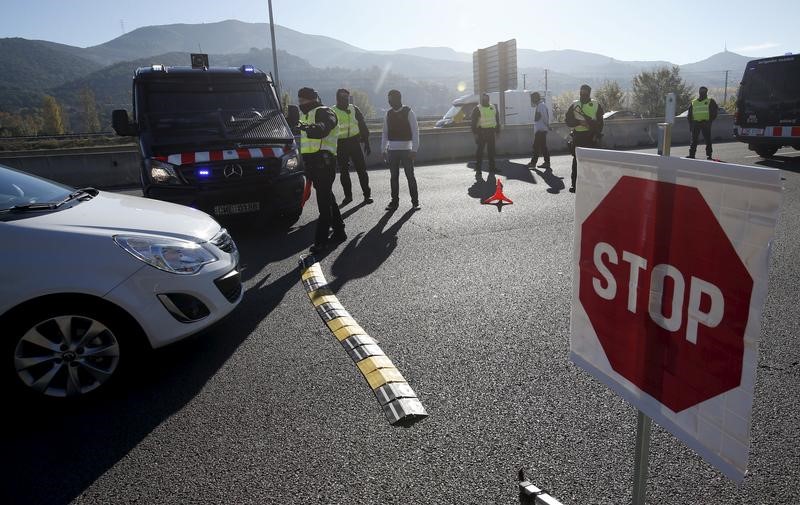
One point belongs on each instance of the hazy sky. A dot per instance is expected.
(677, 31)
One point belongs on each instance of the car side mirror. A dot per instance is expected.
(122, 124)
(293, 115)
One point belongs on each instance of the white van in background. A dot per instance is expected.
(519, 108)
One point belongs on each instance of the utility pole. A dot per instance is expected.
(726, 89)
(274, 52)
(545, 85)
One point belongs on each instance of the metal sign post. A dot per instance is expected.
(277, 81)
(644, 424)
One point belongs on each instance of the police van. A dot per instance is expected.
(214, 138)
(768, 106)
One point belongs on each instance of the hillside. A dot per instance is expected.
(39, 65)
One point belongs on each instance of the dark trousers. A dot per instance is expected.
(580, 139)
(321, 169)
(396, 158)
(540, 148)
(485, 137)
(697, 128)
(347, 150)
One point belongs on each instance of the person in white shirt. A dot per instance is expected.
(541, 125)
(399, 144)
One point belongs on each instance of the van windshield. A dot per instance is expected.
(773, 81)
(211, 111)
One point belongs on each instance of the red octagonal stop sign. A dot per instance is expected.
(665, 291)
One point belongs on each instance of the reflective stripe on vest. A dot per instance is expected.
(700, 110)
(589, 110)
(488, 117)
(310, 146)
(348, 126)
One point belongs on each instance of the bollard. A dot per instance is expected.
(532, 495)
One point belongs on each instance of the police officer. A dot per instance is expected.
(352, 132)
(585, 117)
(702, 112)
(485, 127)
(318, 142)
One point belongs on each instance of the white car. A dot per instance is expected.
(88, 278)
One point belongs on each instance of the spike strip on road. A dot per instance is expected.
(398, 401)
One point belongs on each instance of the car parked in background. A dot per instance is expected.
(90, 278)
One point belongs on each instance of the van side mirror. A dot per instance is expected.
(122, 124)
(293, 115)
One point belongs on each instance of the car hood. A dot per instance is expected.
(115, 214)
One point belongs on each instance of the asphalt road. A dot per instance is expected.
(472, 305)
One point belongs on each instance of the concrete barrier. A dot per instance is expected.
(121, 166)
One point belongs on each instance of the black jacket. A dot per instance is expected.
(476, 116)
(713, 110)
(574, 120)
(363, 130)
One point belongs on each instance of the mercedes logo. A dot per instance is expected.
(233, 169)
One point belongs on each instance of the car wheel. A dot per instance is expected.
(67, 352)
(287, 219)
(766, 151)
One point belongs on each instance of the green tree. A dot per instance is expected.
(361, 100)
(89, 106)
(561, 103)
(285, 101)
(52, 116)
(610, 96)
(650, 90)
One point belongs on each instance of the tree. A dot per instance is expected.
(52, 116)
(650, 89)
(610, 96)
(285, 100)
(89, 106)
(561, 103)
(361, 100)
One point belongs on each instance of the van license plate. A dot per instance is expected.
(753, 132)
(236, 208)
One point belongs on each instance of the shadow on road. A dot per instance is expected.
(483, 188)
(790, 163)
(55, 453)
(366, 252)
(555, 183)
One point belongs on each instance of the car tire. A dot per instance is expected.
(287, 219)
(50, 358)
(766, 151)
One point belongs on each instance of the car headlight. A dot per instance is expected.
(291, 163)
(169, 254)
(163, 173)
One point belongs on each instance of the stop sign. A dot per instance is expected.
(665, 291)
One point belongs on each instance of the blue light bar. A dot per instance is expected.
(248, 69)
(203, 172)
(260, 168)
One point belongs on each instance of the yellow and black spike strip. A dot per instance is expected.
(395, 396)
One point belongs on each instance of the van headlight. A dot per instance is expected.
(162, 173)
(291, 163)
(168, 254)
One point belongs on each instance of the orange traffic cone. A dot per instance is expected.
(306, 193)
(498, 196)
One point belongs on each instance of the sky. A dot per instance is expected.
(676, 31)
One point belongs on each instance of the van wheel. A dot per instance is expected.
(766, 151)
(66, 352)
(287, 219)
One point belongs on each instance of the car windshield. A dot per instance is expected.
(230, 111)
(773, 81)
(18, 190)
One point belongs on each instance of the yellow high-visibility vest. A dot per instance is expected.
(700, 110)
(348, 126)
(589, 110)
(310, 146)
(488, 117)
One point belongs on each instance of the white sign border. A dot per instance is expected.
(594, 187)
